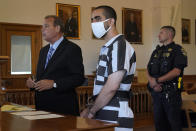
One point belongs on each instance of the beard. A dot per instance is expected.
(104, 35)
(106, 32)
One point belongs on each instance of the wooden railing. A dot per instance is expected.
(18, 96)
(140, 102)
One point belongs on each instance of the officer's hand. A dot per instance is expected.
(153, 82)
(157, 88)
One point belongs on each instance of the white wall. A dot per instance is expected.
(155, 14)
(189, 12)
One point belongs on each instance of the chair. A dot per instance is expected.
(189, 105)
(84, 93)
(90, 79)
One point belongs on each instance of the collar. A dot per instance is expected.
(111, 40)
(56, 44)
(168, 45)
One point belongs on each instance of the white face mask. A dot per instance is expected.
(99, 29)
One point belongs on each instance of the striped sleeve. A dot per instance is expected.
(121, 57)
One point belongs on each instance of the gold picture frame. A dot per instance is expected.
(132, 25)
(186, 31)
(195, 31)
(70, 14)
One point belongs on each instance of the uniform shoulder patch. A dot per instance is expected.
(183, 51)
(170, 49)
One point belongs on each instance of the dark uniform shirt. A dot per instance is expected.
(166, 58)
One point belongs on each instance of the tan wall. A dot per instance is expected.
(155, 14)
(188, 12)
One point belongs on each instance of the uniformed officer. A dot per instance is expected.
(165, 71)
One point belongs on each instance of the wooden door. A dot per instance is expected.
(15, 37)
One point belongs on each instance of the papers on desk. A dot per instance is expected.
(35, 115)
(30, 113)
(47, 116)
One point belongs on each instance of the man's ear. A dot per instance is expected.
(170, 34)
(58, 28)
(112, 21)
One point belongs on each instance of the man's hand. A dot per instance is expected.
(152, 82)
(44, 85)
(91, 115)
(157, 88)
(85, 113)
(132, 33)
(154, 85)
(30, 83)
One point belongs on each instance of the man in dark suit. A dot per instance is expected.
(71, 24)
(59, 71)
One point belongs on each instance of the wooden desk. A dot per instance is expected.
(11, 122)
(191, 97)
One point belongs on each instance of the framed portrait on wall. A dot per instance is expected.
(132, 25)
(70, 14)
(186, 23)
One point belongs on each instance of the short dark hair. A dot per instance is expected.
(109, 12)
(171, 29)
(57, 21)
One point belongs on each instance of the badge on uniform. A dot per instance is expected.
(170, 49)
(167, 54)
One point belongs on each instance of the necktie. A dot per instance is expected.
(50, 52)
